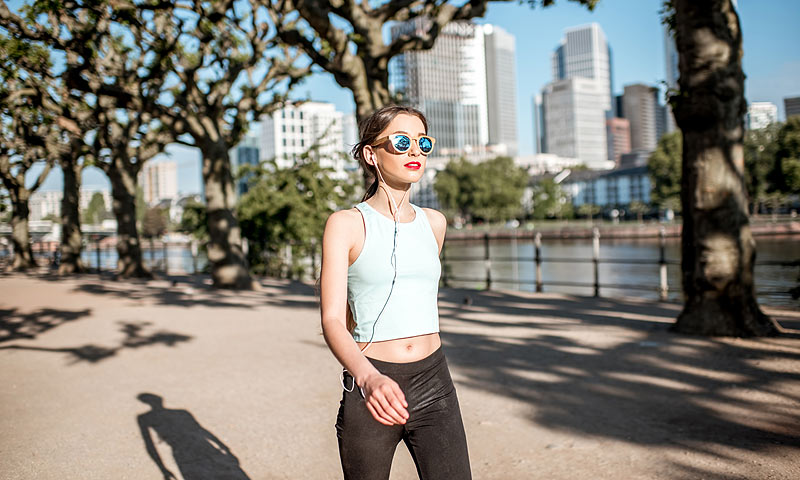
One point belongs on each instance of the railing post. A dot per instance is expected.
(538, 259)
(487, 261)
(193, 246)
(97, 253)
(164, 249)
(663, 289)
(596, 260)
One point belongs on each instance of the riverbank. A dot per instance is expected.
(105, 379)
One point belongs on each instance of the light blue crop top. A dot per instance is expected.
(412, 308)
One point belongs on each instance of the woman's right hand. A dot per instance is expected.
(385, 400)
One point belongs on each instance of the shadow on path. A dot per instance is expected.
(134, 338)
(15, 325)
(198, 453)
(647, 386)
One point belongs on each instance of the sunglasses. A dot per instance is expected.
(401, 142)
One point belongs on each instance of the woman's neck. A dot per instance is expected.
(385, 204)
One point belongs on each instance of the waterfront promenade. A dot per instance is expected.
(172, 379)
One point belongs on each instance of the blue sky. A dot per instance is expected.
(633, 27)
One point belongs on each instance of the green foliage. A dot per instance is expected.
(787, 157)
(638, 208)
(588, 210)
(664, 167)
(96, 211)
(550, 201)
(288, 206)
(154, 223)
(490, 190)
(760, 147)
(194, 220)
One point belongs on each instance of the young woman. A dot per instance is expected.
(379, 283)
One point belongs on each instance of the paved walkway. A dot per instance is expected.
(116, 380)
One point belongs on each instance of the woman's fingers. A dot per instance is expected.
(377, 416)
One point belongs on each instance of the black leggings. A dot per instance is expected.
(434, 433)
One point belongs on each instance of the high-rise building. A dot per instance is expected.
(584, 52)
(760, 115)
(245, 153)
(672, 74)
(448, 83)
(640, 103)
(501, 87)
(159, 181)
(575, 118)
(791, 106)
(465, 85)
(618, 131)
(313, 128)
(539, 125)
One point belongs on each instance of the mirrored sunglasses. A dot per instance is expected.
(401, 142)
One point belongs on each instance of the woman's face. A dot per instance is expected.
(396, 167)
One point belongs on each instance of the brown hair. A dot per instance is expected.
(369, 128)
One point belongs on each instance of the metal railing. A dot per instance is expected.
(662, 288)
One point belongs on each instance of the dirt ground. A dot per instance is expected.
(143, 380)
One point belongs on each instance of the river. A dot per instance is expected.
(772, 282)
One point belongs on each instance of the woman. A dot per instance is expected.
(379, 283)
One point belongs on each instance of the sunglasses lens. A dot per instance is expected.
(401, 143)
(425, 145)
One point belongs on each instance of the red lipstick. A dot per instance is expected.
(413, 165)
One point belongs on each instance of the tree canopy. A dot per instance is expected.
(491, 190)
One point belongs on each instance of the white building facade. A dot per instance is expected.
(575, 120)
(584, 52)
(465, 85)
(761, 115)
(159, 181)
(313, 128)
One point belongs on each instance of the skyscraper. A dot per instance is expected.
(575, 113)
(501, 87)
(465, 85)
(791, 105)
(672, 74)
(640, 103)
(584, 52)
(577, 102)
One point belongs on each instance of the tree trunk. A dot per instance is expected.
(71, 244)
(370, 90)
(123, 191)
(228, 264)
(20, 235)
(718, 246)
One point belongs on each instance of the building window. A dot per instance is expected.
(302, 143)
(284, 142)
(301, 115)
(284, 128)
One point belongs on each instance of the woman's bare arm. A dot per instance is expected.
(384, 398)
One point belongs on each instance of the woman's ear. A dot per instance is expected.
(368, 154)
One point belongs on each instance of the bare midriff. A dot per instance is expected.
(403, 350)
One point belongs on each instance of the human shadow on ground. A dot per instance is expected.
(193, 291)
(15, 325)
(198, 453)
(647, 386)
(134, 338)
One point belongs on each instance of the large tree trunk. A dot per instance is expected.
(228, 264)
(718, 246)
(20, 234)
(71, 244)
(123, 191)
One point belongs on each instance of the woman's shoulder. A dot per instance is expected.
(436, 218)
(343, 219)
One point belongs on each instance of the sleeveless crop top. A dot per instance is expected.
(412, 308)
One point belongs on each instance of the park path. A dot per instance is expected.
(105, 380)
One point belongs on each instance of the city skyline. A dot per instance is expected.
(635, 33)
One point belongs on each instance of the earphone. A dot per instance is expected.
(396, 216)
